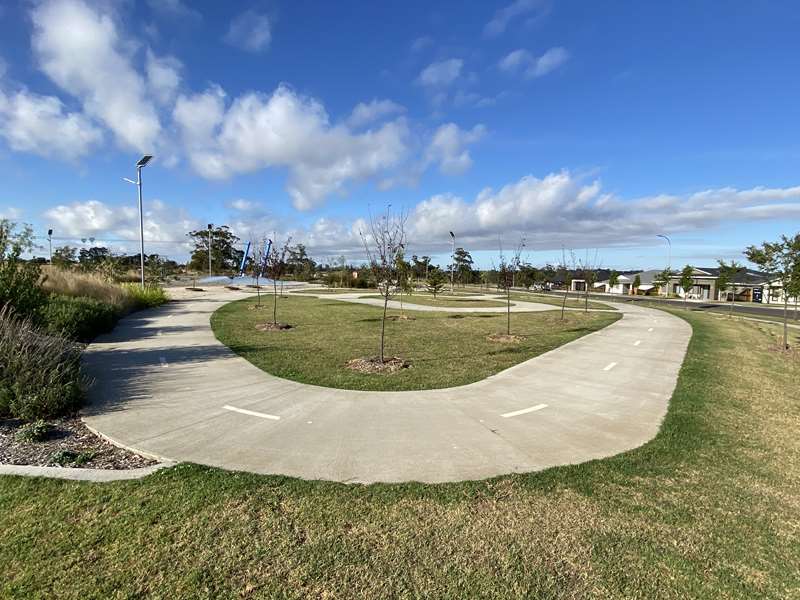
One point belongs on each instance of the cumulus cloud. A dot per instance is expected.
(522, 61)
(449, 147)
(441, 73)
(250, 31)
(369, 112)
(10, 212)
(284, 129)
(163, 77)
(79, 48)
(515, 10)
(42, 125)
(561, 209)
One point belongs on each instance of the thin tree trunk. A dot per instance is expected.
(586, 299)
(258, 292)
(785, 320)
(275, 302)
(564, 303)
(508, 311)
(383, 325)
(733, 300)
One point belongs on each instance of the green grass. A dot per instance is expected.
(444, 301)
(444, 349)
(708, 509)
(557, 300)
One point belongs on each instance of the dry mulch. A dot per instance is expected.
(373, 365)
(67, 435)
(274, 327)
(504, 338)
(400, 318)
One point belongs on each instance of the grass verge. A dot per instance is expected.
(708, 509)
(444, 301)
(444, 349)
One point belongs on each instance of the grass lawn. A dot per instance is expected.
(444, 301)
(708, 509)
(557, 300)
(444, 349)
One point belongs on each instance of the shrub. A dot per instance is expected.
(18, 279)
(40, 374)
(150, 296)
(79, 318)
(35, 431)
(64, 458)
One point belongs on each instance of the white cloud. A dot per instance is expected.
(80, 49)
(10, 212)
(174, 9)
(369, 112)
(421, 43)
(251, 31)
(448, 147)
(41, 125)
(441, 73)
(512, 12)
(284, 129)
(532, 66)
(163, 77)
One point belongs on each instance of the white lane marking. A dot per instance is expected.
(524, 411)
(252, 413)
(637, 342)
(610, 366)
(164, 362)
(651, 329)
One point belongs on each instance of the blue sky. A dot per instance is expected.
(593, 126)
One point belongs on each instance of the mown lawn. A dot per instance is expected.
(709, 509)
(444, 349)
(444, 301)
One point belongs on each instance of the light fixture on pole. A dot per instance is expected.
(210, 227)
(452, 260)
(140, 164)
(669, 261)
(50, 243)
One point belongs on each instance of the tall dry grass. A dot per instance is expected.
(91, 285)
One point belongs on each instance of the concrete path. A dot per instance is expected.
(166, 387)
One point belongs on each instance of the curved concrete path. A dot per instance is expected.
(167, 388)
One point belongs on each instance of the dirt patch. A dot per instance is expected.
(400, 318)
(195, 289)
(68, 443)
(373, 365)
(232, 287)
(274, 326)
(504, 338)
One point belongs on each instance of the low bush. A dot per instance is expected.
(40, 375)
(79, 318)
(35, 431)
(147, 297)
(87, 285)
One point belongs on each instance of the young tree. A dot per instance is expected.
(687, 282)
(508, 269)
(64, 257)
(435, 281)
(276, 267)
(613, 280)
(662, 280)
(727, 279)
(781, 261)
(384, 242)
(637, 283)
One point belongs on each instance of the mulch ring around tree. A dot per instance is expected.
(67, 442)
(504, 338)
(373, 365)
(274, 326)
(400, 318)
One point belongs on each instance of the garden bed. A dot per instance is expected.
(67, 443)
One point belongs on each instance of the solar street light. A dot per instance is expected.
(140, 164)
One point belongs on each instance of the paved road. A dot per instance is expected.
(166, 387)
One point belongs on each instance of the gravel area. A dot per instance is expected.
(68, 443)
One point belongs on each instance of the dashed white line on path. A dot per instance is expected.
(651, 329)
(609, 366)
(637, 342)
(252, 413)
(524, 411)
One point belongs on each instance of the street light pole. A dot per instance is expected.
(50, 243)
(140, 164)
(210, 226)
(669, 261)
(452, 261)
